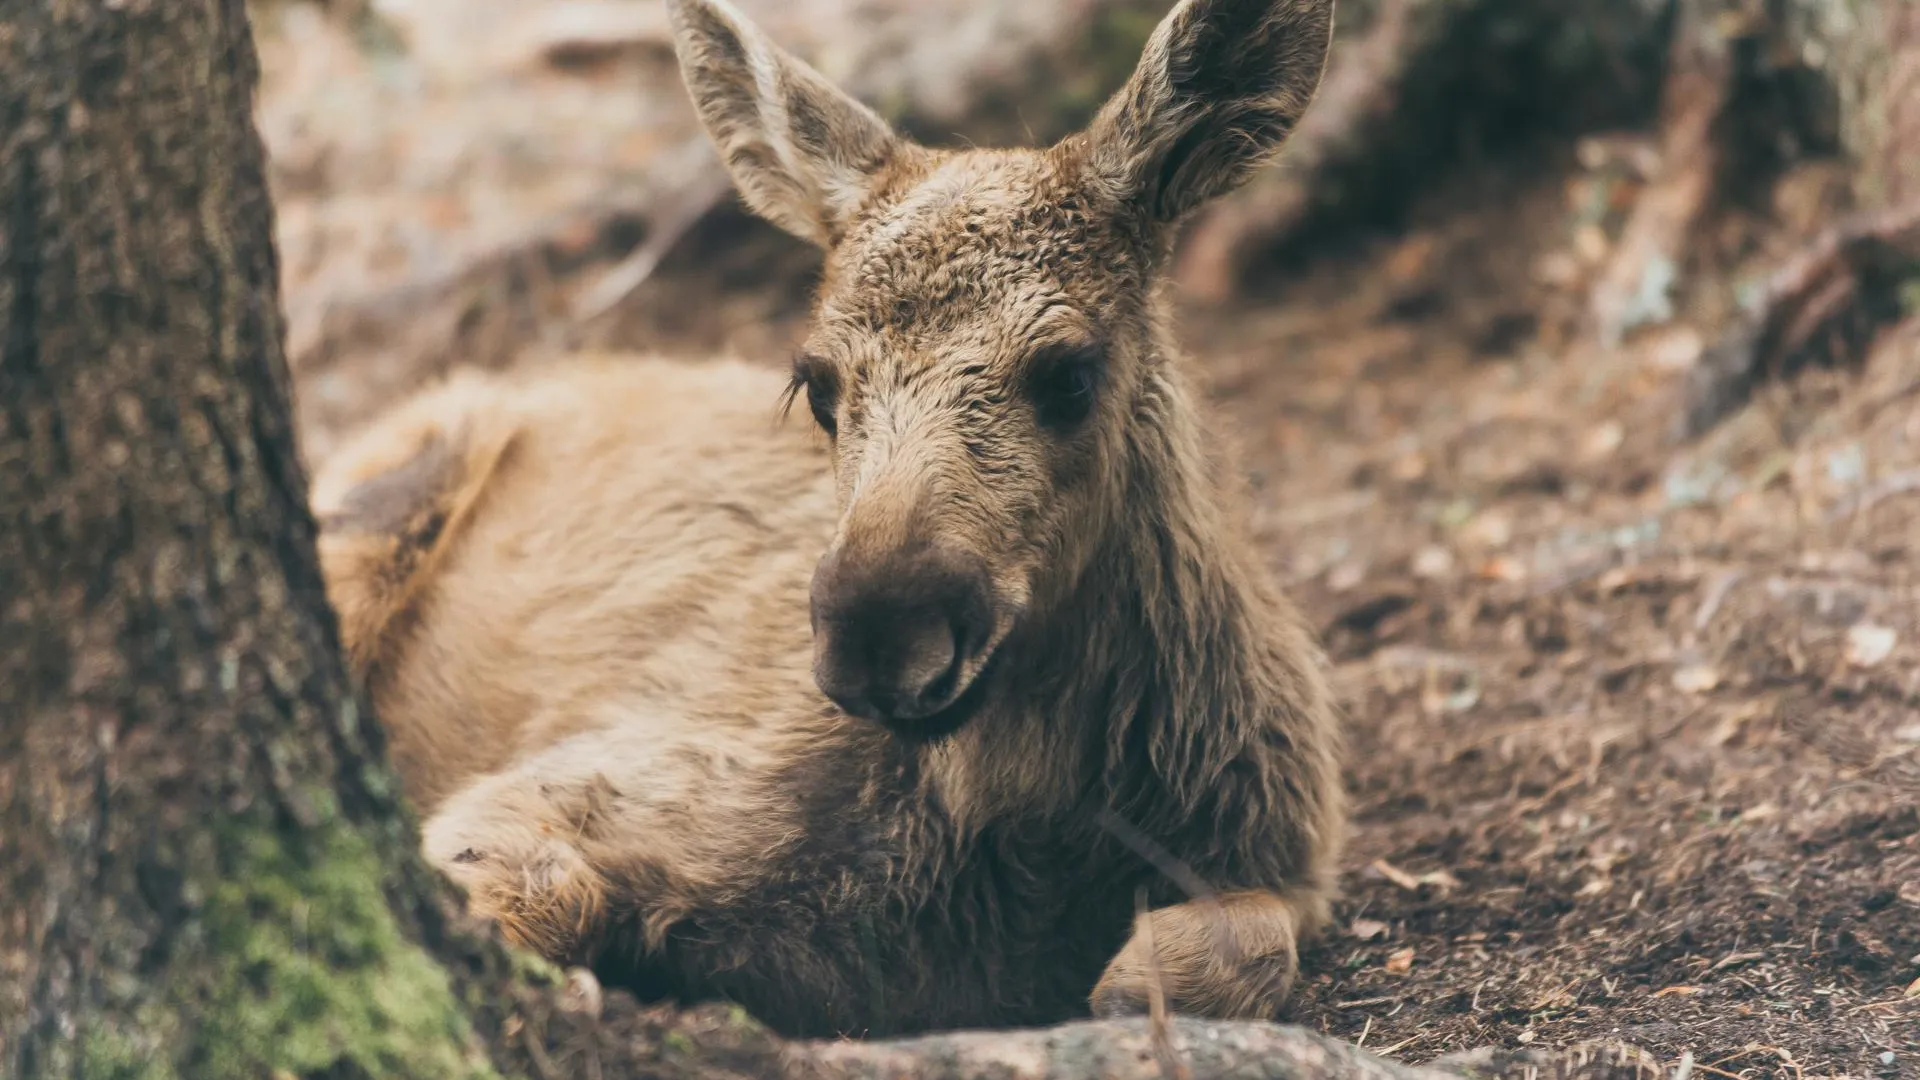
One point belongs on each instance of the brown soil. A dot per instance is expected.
(1617, 774)
(1636, 723)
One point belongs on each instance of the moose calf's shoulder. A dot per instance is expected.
(881, 718)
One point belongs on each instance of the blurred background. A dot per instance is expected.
(1575, 350)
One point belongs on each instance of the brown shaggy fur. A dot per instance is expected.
(580, 595)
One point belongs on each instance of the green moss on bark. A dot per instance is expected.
(309, 972)
(110, 1055)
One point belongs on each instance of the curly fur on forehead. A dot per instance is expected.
(947, 234)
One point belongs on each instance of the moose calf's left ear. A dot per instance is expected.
(1217, 91)
(801, 151)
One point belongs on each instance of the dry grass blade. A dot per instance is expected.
(1180, 874)
(1168, 1055)
(1439, 879)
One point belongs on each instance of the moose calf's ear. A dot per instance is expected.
(801, 151)
(1217, 91)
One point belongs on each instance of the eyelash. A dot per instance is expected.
(819, 390)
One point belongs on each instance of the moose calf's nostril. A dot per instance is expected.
(892, 640)
(928, 659)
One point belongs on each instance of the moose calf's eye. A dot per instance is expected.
(820, 400)
(820, 389)
(1064, 385)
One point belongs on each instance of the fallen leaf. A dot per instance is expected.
(1730, 724)
(1595, 153)
(579, 32)
(1455, 694)
(1504, 568)
(1432, 561)
(1400, 961)
(1868, 644)
(583, 993)
(1410, 258)
(1590, 243)
(1603, 440)
(1557, 268)
(1410, 466)
(1677, 349)
(1492, 529)
(1737, 958)
(1439, 879)
(1368, 929)
(1679, 991)
(1615, 580)
(1346, 576)
(1696, 679)
(1555, 999)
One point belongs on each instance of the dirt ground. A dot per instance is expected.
(1636, 722)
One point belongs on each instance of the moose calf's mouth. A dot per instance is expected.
(939, 709)
(947, 720)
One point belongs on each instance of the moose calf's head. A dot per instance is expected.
(987, 349)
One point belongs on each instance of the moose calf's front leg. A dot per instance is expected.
(514, 844)
(623, 828)
(1233, 956)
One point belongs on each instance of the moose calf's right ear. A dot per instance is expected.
(801, 151)
(1218, 89)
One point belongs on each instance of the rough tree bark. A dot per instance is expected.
(207, 870)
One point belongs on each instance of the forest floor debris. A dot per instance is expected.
(1679, 808)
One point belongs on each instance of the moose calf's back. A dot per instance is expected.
(632, 530)
(885, 726)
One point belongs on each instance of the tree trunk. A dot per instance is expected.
(207, 869)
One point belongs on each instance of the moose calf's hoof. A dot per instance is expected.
(544, 897)
(1258, 990)
(1220, 965)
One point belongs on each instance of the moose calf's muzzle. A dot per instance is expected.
(895, 637)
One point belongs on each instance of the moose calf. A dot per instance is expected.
(890, 726)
